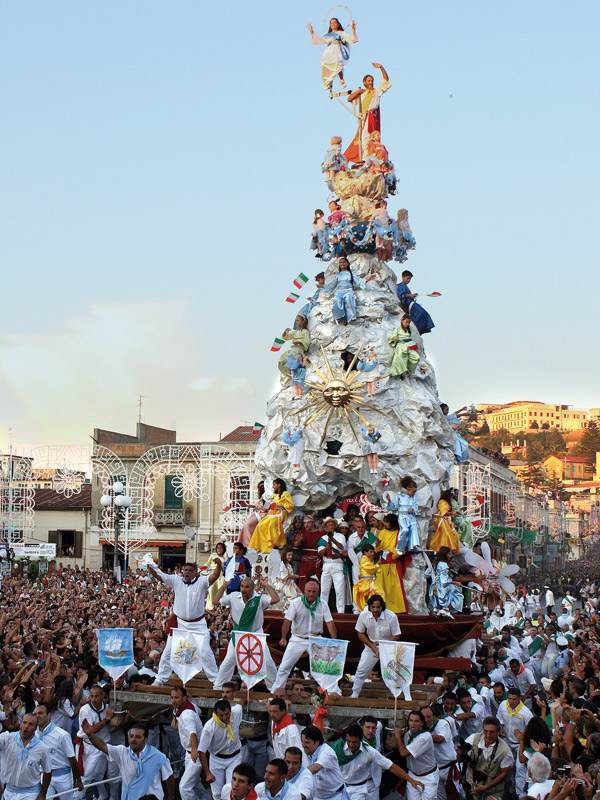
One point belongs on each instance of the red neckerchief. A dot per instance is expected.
(286, 720)
(522, 669)
(188, 705)
(250, 796)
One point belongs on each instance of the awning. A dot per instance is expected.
(521, 534)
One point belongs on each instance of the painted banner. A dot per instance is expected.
(397, 660)
(250, 654)
(115, 650)
(41, 550)
(186, 654)
(327, 658)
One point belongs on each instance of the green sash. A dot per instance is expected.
(248, 615)
(535, 645)
(343, 758)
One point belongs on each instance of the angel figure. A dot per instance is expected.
(334, 161)
(296, 443)
(371, 447)
(494, 579)
(461, 446)
(297, 368)
(370, 367)
(336, 53)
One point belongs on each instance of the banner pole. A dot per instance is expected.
(247, 698)
(395, 711)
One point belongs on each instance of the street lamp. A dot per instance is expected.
(120, 502)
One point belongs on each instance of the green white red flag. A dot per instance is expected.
(292, 297)
(277, 345)
(300, 281)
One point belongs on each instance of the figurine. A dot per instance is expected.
(376, 150)
(405, 358)
(334, 161)
(296, 443)
(406, 239)
(297, 369)
(370, 367)
(320, 231)
(336, 53)
(371, 447)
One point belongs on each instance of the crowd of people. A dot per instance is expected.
(522, 721)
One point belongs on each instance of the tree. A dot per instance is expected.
(546, 426)
(557, 487)
(590, 443)
(534, 475)
(534, 425)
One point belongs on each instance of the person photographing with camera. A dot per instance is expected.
(490, 762)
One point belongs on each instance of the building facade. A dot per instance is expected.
(523, 415)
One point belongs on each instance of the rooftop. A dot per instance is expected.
(243, 433)
(49, 500)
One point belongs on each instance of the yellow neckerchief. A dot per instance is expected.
(228, 725)
(515, 712)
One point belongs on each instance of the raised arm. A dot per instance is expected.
(377, 65)
(220, 592)
(88, 729)
(216, 572)
(264, 582)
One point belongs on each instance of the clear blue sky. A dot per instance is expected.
(160, 167)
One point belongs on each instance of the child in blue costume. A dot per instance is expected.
(312, 301)
(417, 313)
(461, 446)
(343, 284)
(407, 507)
(243, 568)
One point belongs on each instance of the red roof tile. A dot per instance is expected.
(243, 433)
(49, 500)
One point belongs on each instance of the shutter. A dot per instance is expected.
(78, 544)
(171, 500)
(52, 537)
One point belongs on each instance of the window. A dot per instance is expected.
(69, 544)
(171, 500)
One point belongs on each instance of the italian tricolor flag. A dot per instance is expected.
(434, 294)
(257, 427)
(276, 346)
(292, 297)
(300, 281)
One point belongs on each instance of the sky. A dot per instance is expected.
(161, 164)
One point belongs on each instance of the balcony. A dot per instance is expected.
(169, 518)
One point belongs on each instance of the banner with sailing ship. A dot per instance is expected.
(186, 654)
(115, 650)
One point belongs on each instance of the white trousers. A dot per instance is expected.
(334, 574)
(94, 768)
(441, 790)
(209, 664)
(222, 769)
(60, 783)
(430, 782)
(229, 663)
(10, 795)
(368, 659)
(296, 647)
(358, 792)
(190, 778)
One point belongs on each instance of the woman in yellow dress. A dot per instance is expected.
(220, 553)
(368, 583)
(269, 534)
(445, 534)
(391, 568)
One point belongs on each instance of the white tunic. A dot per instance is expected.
(215, 739)
(422, 753)
(360, 769)
(513, 721)
(24, 772)
(445, 752)
(305, 783)
(286, 737)
(60, 745)
(383, 628)
(188, 722)
(303, 624)
(190, 598)
(236, 604)
(126, 762)
(328, 780)
(93, 716)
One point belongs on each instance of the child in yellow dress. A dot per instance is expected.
(269, 534)
(445, 534)
(368, 583)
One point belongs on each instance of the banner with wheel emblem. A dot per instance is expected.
(250, 654)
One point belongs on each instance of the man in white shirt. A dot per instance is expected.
(299, 775)
(92, 761)
(242, 783)
(221, 738)
(373, 735)
(304, 617)
(323, 764)
(64, 765)
(189, 727)
(282, 728)
(375, 622)
(247, 611)
(332, 549)
(416, 745)
(445, 752)
(275, 785)
(141, 767)
(357, 759)
(514, 715)
(26, 767)
(522, 678)
(189, 607)
(549, 599)
(470, 714)
(359, 530)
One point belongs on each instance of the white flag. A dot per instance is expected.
(327, 658)
(230, 569)
(397, 660)
(250, 654)
(186, 654)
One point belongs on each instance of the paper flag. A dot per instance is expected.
(276, 346)
(300, 281)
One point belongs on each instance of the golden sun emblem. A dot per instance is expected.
(338, 392)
